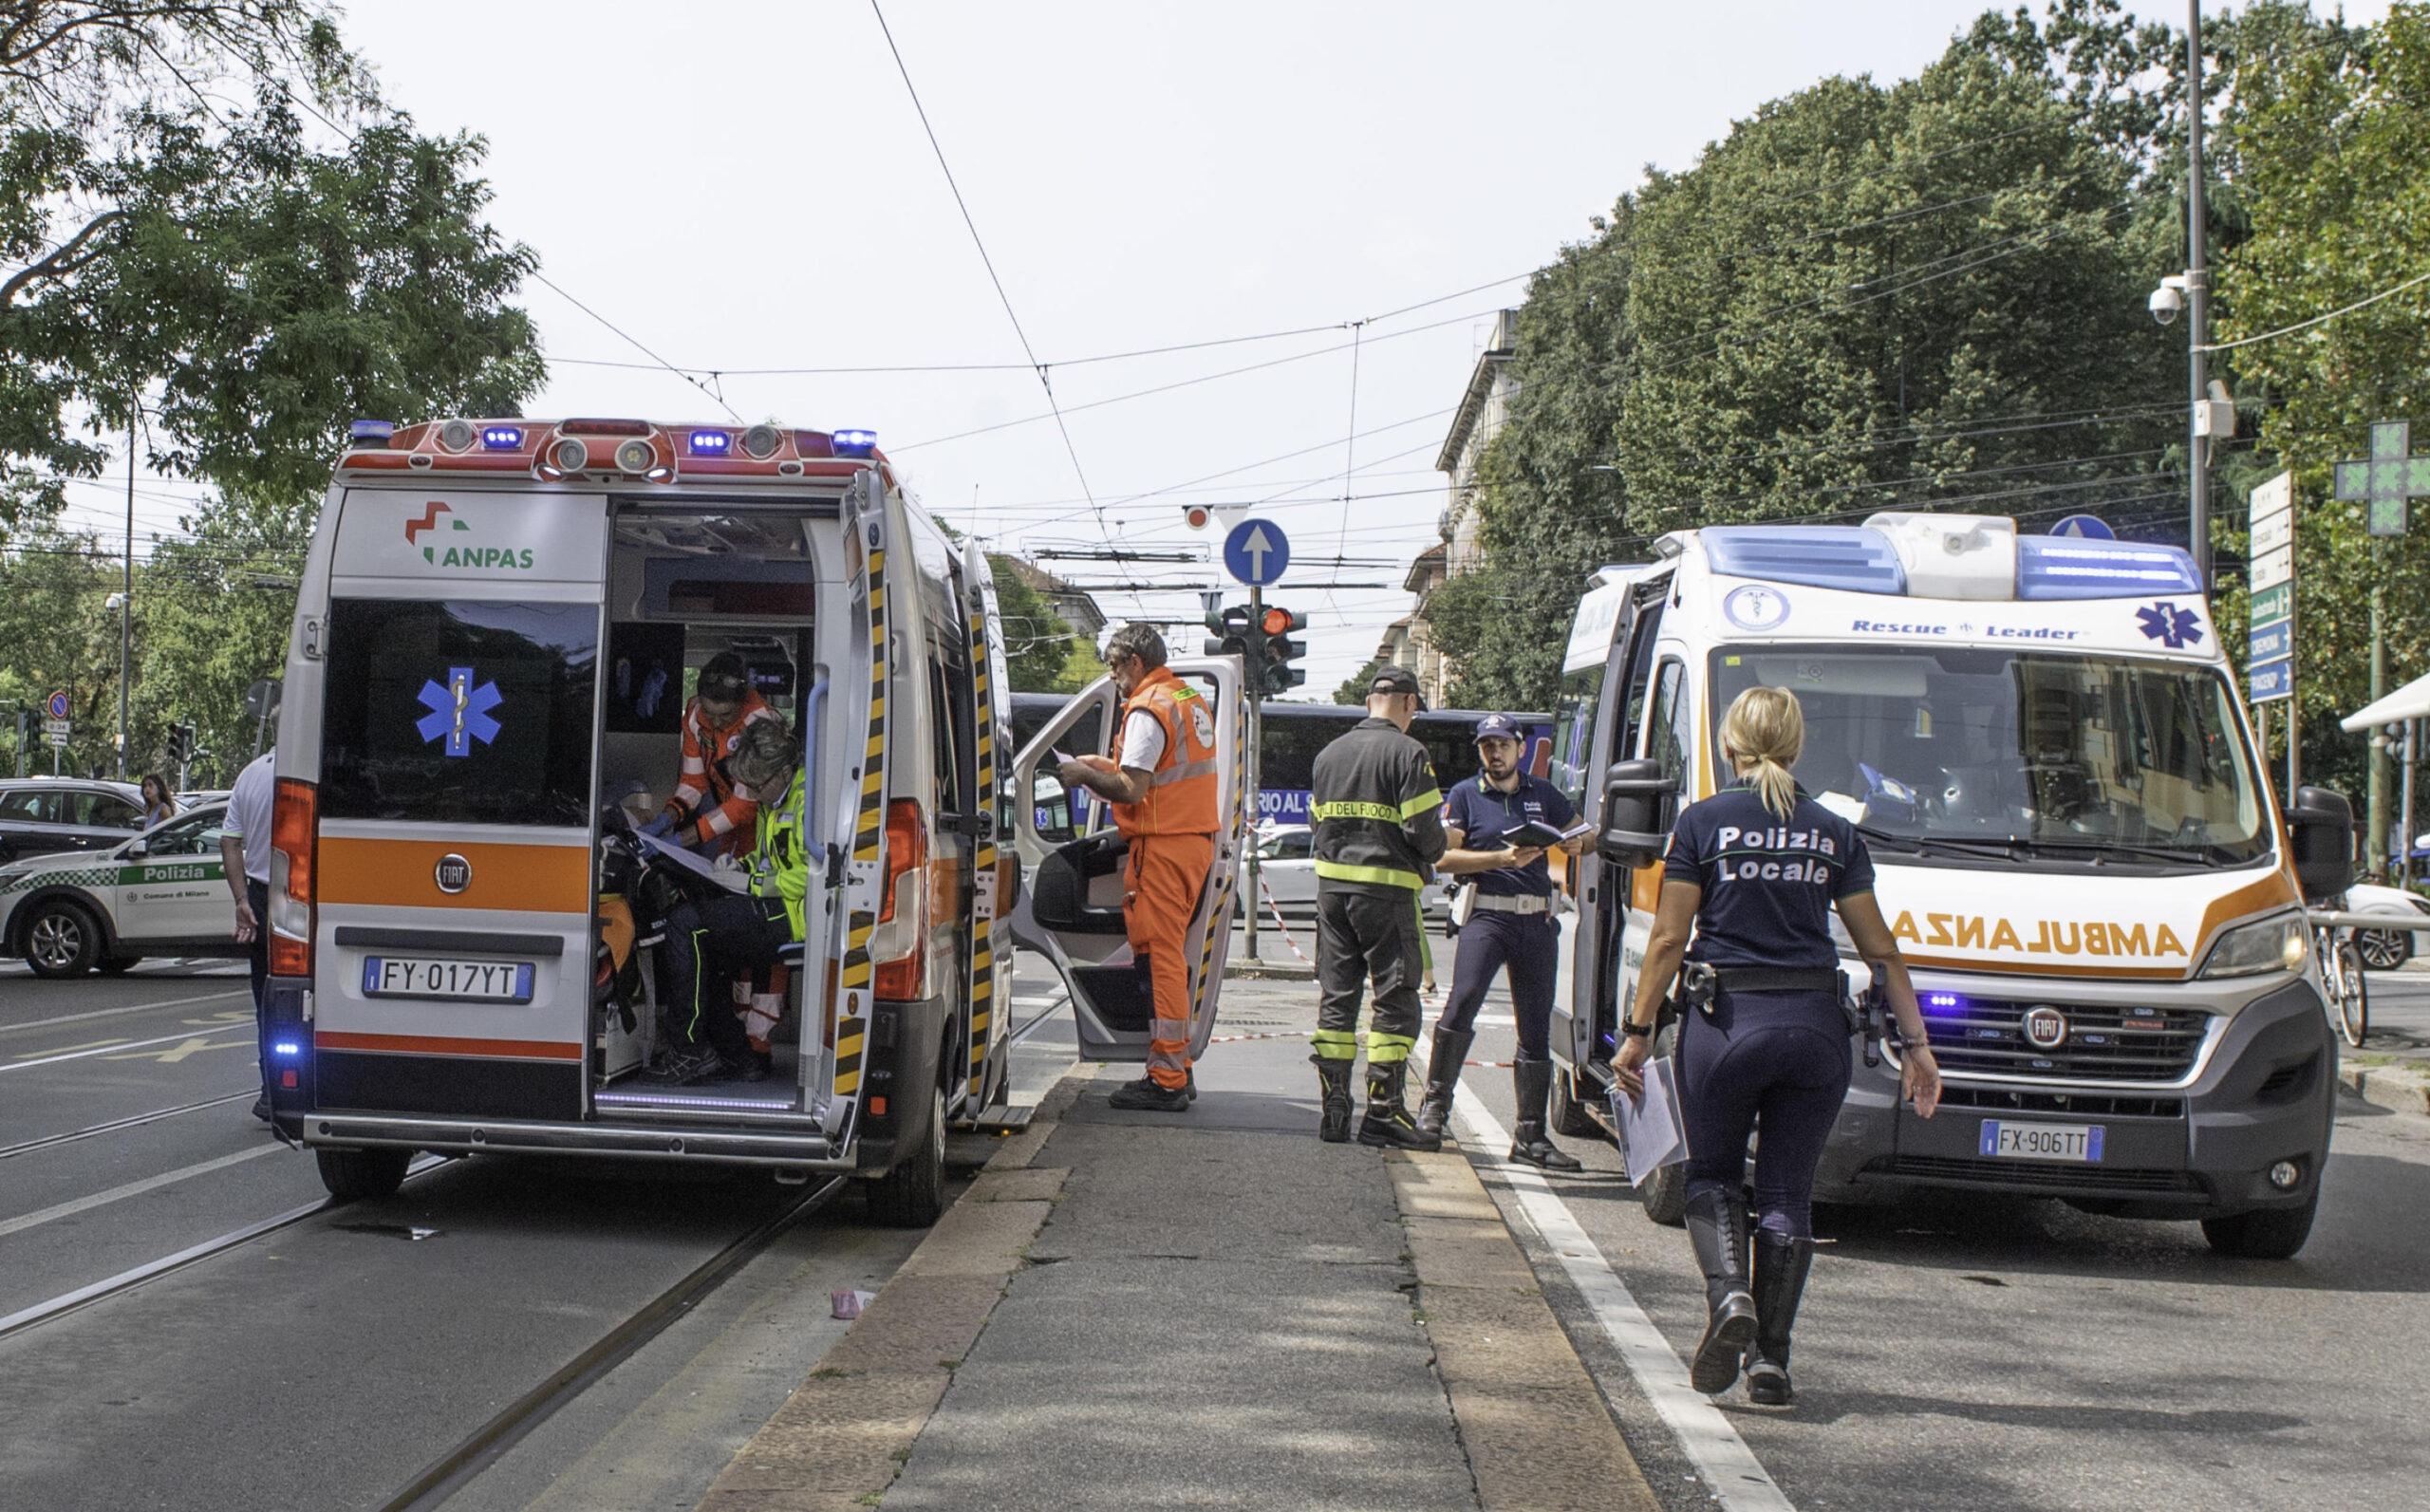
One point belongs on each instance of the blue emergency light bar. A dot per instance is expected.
(1858, 559)
(286, 1047)
(854, 442)
(2074, 567)
(502, 437)
(1942, 1002)
(709, 444)
(372, 430)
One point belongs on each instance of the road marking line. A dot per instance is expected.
(89, 1044)
(86, 1205)
(175, 1054)
(1738, 1480)
(113, 1012)
(78, 1054)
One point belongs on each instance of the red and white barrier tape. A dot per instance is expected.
(1279, 928)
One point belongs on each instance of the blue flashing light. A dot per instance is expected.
(854, 442)
(1856, 558)
(2068, 566)
(370, 430)
(502, 437)
(286, 1047)
(709, 444)
(1943, 1002)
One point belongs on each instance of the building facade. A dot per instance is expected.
(1483, 410)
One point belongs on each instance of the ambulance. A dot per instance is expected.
(2040, 739)
(499, 624)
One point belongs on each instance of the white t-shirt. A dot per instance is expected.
(249, 808)
(1143, 742)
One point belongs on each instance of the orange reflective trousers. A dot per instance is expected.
(1160, 895)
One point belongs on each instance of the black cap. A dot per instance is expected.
(723, 678)
(1397, 679)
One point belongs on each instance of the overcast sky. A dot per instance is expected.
(746, 184)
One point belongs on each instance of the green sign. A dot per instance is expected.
(2273, 604)
(2387, 479)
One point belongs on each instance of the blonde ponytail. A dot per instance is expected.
(1765, 729)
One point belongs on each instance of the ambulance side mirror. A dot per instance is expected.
(2320, 836)
(1632, 800)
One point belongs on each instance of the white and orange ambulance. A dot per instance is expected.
(498, 628)
(2041, 741)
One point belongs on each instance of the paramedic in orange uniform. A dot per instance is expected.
(1162, 783)
(708, 810)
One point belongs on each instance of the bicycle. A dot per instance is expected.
(2341, 975)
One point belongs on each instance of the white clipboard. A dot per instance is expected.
(729, 878)
(1651, 1133)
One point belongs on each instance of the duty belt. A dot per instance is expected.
(1777, 978)
(1513, 902)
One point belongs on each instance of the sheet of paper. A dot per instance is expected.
(1651, 1133)
(729, 878)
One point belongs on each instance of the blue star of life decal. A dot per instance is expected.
(2172, 626)
(460, 713)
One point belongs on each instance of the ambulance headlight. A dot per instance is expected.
(2268, 944)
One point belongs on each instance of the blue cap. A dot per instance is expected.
(1500, 726)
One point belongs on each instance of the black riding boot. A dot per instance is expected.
(1717, 1228)
(1388, 1123)
(1781, 1268)
(1442, 1083)
(1529, 1144)
(1333, 1076)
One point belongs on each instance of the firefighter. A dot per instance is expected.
(1162, 782)
(1510, 928)
(710, 942)
(1380, 830)
(1753, 873)
(709, 810)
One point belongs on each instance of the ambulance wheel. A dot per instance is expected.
(2269, 1233)
(912, 1195)
(1665, 1192)
(356, 1175)
(63, 939)
(1567, 1117)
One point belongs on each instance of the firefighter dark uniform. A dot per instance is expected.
(1378, 831)
(1169, 839)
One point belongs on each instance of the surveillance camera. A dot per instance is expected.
(2165, 302)
(111, 603)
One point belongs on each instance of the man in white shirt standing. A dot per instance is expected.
(244, 856)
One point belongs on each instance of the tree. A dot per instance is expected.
(1038, 643)
(1354, 690)
(179, 233)
(213, 615)
(56, 635)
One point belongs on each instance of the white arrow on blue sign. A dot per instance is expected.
(1255, 552)
(2270, 680)
(2274, 641)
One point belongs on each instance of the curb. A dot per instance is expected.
(1534, 1424)
(1268, 970)
(2397, 1089)
(843, 1436)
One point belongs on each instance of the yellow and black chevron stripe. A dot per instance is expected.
(982, 945)
(1221, 918)
(853, 981)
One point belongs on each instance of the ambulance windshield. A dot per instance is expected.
(1951, 750)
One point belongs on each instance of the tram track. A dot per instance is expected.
(113, 1126)
(459, 1466)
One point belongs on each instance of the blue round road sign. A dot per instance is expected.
(2089, 527)
(1257, 551)
(57, 704)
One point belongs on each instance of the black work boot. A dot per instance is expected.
(1388, 1123)
(1442, 1084)
(1717, 1228)
(1334, 1077)
(1529, 1145)
(1781, 1268)
(1144, 1096)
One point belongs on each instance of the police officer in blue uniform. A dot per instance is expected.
(1753, 873)
(1511, 930)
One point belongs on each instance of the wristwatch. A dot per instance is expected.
(1634, 1030)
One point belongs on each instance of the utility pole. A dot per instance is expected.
(126, 588)
(2197, 303)
(1252, 678)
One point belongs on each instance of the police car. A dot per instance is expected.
(163, 892)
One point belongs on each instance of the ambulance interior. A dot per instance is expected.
(684, 587)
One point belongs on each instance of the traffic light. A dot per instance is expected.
(1281, 651)
(1234, 635)
(181, 743)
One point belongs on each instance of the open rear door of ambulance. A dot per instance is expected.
(1071, 912)
(996, 866)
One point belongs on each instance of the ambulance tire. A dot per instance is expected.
(1665, 1192)
(912, 1195)
(1567, 1117)
(360, 1175)
(2268, 1233)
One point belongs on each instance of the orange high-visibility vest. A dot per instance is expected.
(1182, 790)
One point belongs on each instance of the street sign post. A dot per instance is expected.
(1255, 552)
(2385, 482)
(2269, 662)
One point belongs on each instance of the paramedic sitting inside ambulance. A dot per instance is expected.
(709, 810)
(710, 942)
(1162, 783)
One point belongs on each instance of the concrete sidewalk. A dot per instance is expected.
(1211, 1309)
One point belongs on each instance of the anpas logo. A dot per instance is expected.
(463, 554)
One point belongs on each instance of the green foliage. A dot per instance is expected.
(55, 634)
(213, 614)
(1040, 650)
(1353, 689)
(179, 230)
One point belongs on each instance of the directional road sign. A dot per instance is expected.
(2270, 604)
(2270, 680)
(2274, 641)
(56, 706)
(2086, 527)
(1257, 551)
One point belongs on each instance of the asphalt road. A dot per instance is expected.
(324, 1364)
(1985, 1353)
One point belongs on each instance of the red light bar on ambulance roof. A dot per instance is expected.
(604, 427)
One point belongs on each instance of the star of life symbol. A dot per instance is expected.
(460, 713)
(2172, 626)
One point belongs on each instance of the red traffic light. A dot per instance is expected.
(1281, 621)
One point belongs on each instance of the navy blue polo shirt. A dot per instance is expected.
(1482, 814)
(1769, 883)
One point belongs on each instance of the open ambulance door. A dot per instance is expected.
(1071, 912)
(996, 867)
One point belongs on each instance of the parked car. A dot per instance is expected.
(40, 815)
(2384, 949)
(163, 892)
(1288, 869)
